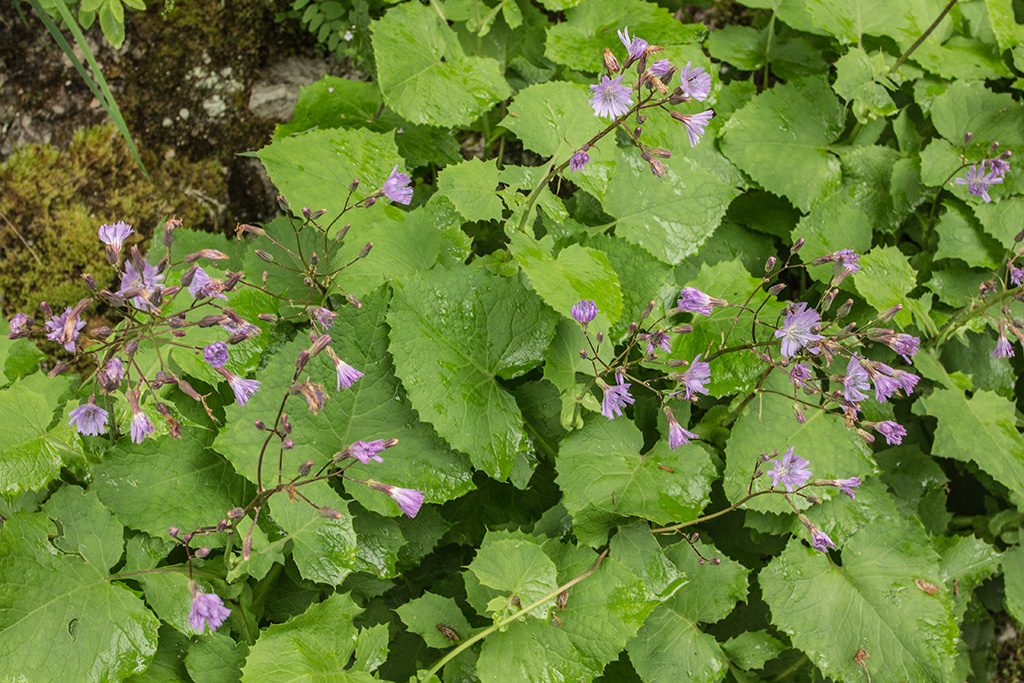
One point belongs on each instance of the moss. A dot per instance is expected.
(54, 201)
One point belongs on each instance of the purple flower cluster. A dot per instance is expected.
(207, 610)
(64, 328)
(980, 177)
(677, 436)
(860, 373)
(791, 470)
(615, 398)
(396, 187)
(611, 99)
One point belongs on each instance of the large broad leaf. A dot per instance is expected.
(885, 279)
(324, 548)
(454, 334)
(970, 107)
(58, 610)
(167, 482)
(424, 74)
(670, 217)
(979, 429)
(576, 273)
(314, 646)
(30, 454)
(797, 122)
(768, 424)
(515, 567)
(315, 169)
(870, 603)
(471, 186)
(671, 646)
(424, 614)
(591, 27)
(600, 467)
(601, 614)
(849, 21)
(368, 410)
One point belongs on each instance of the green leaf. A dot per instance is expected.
(515, 567)
(112, 25)
(30, 455)
(908, 634)
(471, 186)
(167, 482)
(424, 74)
(316, 168)
(371, 648)
(850, 21)
(979, 429)
(602, 613)
(18, 357)
(56, 591)
(1013, 577)
(1004, 24)
(324, 548)
(314, 646)
(885, 279)
(423, 615)
(971, 107)
(576, 273)
(768, 424)
(1002, 220)
(454, 334)
(741, 46)
(961, 237)
(795, 121)
(863, 80)
(216, 658)
(167, 665)
(753, 649)
(368, 410)
(671, 645)
(670, 217)
(600, 467)
(637, 548)
(591, 26)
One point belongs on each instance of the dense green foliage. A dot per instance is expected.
(554, 543)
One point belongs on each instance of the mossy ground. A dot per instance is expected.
(55, 200)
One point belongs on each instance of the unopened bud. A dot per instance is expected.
(354, 301)
(583, 354)
(211, 320)
(102, 332)
(830, 296)
(58, 369)
(287, 445)
(249, 229)
(844, 310)
(283, 203)
(776, 289)
(769, 265)
(656, 82)
(796, 246)
(267, 317)
(232, 280)
(648, 310)
(683, 329)
(260, 425)
(178, 333)
(633, 328)
(600, 337)
(365, 250)
(318, 213)
(90, 282)
(237, 338)
(319, 345)
(967, 138)
(300, 362)
(660, 153)
(187, 389)
(176, 322)
(286, 425)
(236, 513)
(798, 409)
(353, 186)
(173, 532)
(890, 313)
(344, 231)
(202, 552)
(305, 468)
(610, 63)
(247, 543)
(329, 513)
(306, 213)
(131, 347)
(222, 525)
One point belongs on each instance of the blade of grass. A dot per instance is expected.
(97, 85)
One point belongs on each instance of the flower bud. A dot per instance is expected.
(353, 186)
(648, 310)
(306, 213)
(247, 544)
(267, 317)
(287, 445)
(796, 246)
(202, 552)
(329, 513)
(610, 63)
(365, 250)
(967, 138)
(600, 337)
(283, 203)
(830, 296)
(776, 289)
(683, 329)
(890, 313)
(300, 362)
(102, 332)
(90, 282)
(286, 425)
(250, 229)
(236, 513)
(354, 301)
(131, 347)
(232, 280)
(769, 265)
(314, 260)
(259, 424)
(305, 468)
(844, 310)
(173, 532)
(58, 369)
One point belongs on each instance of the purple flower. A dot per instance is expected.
(1003, 347)
(112, 374)
(114, 235)
(791, 471)
(584, 311)
(885, 384)
(820, 540)
(19, 323)
(797, 330)
(207, 609)
(660, 68)
(89, 419)
(216, 354)
(677, 436)
(906, 380)
(365, 451)
(695, 301)
(147, 281)
(141, 426)
(203, 286)
(892, 431)
(847, 485)
(634, 46)
(904, 344)
(978, 181)
(856, 380)
(614, 398)
(658, 339)
(799, 373)
(396, 187)
(409, 500)
(244, 388)
(611, 98)
(346, 374)
(578, 161)
(695, 83)
(694, 124)
(64, 329)
(324, 316)
(1000, 165)
(695, 377)
(1016, 277)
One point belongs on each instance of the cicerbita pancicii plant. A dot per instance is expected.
(153, 316)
